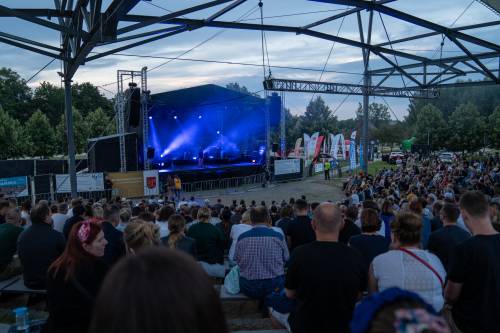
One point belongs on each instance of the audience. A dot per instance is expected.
(9, 232)
(300, 231)
(38, 246)
(261, 254)
(78, 215)
(286, 215)
(236, 231)
(74, 279)
(59, 218)
(177, 238)
(165, 291)
(162, 220)
(349, 228)
(473, 287)
(407, 265)
(140, 234)
(225, 226)
(116, 247)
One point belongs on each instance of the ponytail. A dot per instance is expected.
(176, 224)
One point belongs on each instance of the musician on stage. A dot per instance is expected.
(201, 158)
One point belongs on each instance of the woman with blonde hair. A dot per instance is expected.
(139, 234)
(177, 238)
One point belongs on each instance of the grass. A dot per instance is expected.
(375, 167)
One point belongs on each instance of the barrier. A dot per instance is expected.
(223, 184)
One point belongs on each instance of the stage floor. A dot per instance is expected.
(184, 168)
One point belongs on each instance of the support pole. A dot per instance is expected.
(364, 138)
(70, 136)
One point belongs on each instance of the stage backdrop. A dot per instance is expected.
(223, 123)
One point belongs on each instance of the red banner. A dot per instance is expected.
(318, 146)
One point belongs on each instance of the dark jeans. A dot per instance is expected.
(258, 289)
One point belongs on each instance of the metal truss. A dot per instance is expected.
(347, 89)
(84, 25)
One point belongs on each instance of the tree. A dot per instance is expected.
(378, 114)
(80, 130)
(50, 100)
(87, 98)
(494, 127)
(318, 118)
(390, 133)
(12, 138)
(99, 124)
(466, 128)
(15, 95)
(242, 89)
(41, 136)
(430, 126)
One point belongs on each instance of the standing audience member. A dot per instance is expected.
(116, 247)
(4, 207)
(436, 222)
(209, 244)
(443, 241)
(236, 231)
(38, 247)
(78, 212)
(473, 287)
(140, 234)
(370, 244)
(9, 232)
(59, 218)
(300, 231)
(387, 216)
(407, 266)
(25, 213)
(349, 228)
(177, 238)
(162, 220)
(261, 254)
(417, 209)
(74, 279)
(165, 291)
(325, 277)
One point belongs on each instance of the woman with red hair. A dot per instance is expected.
(74, 279)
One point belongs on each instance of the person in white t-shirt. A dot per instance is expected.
(59, 218)
(237, 230)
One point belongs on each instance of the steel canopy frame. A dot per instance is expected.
(85, 25)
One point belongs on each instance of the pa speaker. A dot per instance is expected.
(275, 147)
(134, 106)
(151, 153)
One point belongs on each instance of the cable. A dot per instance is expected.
(394, 113)
(41, 69)
(390, 44)
(262, 38)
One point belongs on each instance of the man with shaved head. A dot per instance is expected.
(325, 277)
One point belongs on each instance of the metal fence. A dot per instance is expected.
(223, 184)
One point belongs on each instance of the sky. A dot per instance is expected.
(283, 49)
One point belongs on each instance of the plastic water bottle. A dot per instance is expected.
(22, 324)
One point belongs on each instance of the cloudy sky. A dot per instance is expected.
(284, 49)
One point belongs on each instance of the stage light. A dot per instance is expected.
(253, 161)
(211, 157)
(195, 158)
(175, 117)
(150, 117)
(199, 117)
(162, 164)
(161, 155)
(218, 132)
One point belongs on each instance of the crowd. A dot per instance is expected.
(410, 249)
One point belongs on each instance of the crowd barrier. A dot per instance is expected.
(223, 184)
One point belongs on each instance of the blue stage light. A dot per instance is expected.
(199, 117)
(218, 132)
(253, 161)
(195, 158)
(175, 117)
(150, 117)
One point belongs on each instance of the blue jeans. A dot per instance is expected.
(258, 289)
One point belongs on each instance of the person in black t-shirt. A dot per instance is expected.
(444, 241)
(473, 286)
(325, 277)
(300, 231)
(349, 228)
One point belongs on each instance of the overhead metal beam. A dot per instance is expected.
(31, 48)
(225, 10)
(29, 41)
(398, 68)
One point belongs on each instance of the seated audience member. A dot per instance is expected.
(140, 234)
(396, 311)
(9, 232)
(286, 215)
(261, 254)
(300, 231)
(74, 279)
(97, 211)
(59, 218)
(349, 228)
(237, 213)
(177, 238)
(4, 207)
(162, 220)
(78, 215)
(370, 244)
(125, 215)
(166, 291)
(225, 226)
(209, 244)
(116, 247)
(443, 241)
(407, 266)
(237, 230)
(473, 287)
(387, 216)
(326, 277)
(38, 247)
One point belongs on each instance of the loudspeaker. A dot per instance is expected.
(151, 153)
(134, 107)
(275, 148)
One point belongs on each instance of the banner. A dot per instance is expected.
(339, 138)
(318, 167)
(311, 150)
(297, 147)
(129, 184)
(352, 151)
(307, 138)
(285, 167)
(151, 182)
(85, 182)
(317, 149)
(361, 161)
(14, 186)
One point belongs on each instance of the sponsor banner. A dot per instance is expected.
(318, 167)
(352, 150)
(85, 182)
(129, 184)
(307, 138)
(286, 167)
(311, 150)
(151, 182)
(297, 147)
(336, 140)
(14, 186)
(319, 142)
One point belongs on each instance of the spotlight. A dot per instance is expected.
(199, 117)
(162, 164)
(161, 155)
(150, 117)
(253, 161)
(175, 117)
(218, 132)
(195, 158)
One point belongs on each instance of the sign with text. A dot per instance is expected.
(285, 167)
(14, 186)
(85, 182)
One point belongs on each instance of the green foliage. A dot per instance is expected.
(378, 114)
(465, 128)
(50, 99)
(242, 89)
(81, 133)
(318, 118)
(41, 136)
(389, 133)
(493, 127)
(15, 95)
(99, 124)
(87, 98)
(12, 138)
(430, 126)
